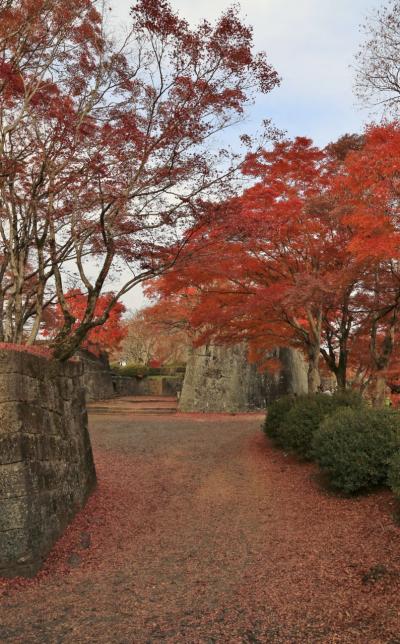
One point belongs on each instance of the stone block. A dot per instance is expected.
(220, 379)
(10, 448)
(20, 389)
(10, 417)
(12, 480)
(14, 513)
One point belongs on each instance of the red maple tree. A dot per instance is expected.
(308, 257)
(105, 337)
(369, 190)
(155, 333)
(106, 150)
(274, 268)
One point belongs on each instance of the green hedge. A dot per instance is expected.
(299, 425)
(348, 398)
(291, 421)
(277, 412)
(394, 473)
(355, 446)
(358, 447)
(143, 370)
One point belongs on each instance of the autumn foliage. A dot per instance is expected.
(307, 256)
(153, 340)
(105, 337)
(108, 150)
(112, 175)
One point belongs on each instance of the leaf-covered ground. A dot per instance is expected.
(200, 532)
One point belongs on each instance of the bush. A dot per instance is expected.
(300, 423)
(131, 370)
(277, 412)
(347, 398)
(138, 370)
(292, 420)
(394, 473)
(354, 447)
(141, 370)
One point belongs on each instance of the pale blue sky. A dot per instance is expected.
(311, 44)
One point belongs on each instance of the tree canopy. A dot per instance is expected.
(105, 149)
(307, 257)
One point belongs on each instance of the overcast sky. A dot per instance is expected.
(311, 44)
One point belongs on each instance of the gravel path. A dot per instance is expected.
(200, 532)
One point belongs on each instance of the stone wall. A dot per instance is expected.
(220, 379)
(172, 385)
(135, 386)
(159, 386)
(290, 379)
(97, 376)
(124, 385)
(101, 383)
(46, 463)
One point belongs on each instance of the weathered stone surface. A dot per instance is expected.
(16, 541)
(97, 376)
(46, 463)
(149, 386)
(12, 480)
(172, 386)
(292, 377)
(10, 448)
(13, 513)
(220, 379)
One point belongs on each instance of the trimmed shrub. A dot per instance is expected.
(354, 447)
(292, 420)
(302, 420)
(141, 371)
(277, 412)
(138, 370)
(347, 398)
(130, 370)
(394, 473)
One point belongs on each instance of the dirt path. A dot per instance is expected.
(200, 532)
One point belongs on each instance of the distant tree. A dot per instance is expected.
(309, 256)
(378, 59)
(151, 335)
(105, 153)
(137, 347)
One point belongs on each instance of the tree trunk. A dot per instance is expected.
(379, 396)
(65, 346)
(314, 379)
(341, 377)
